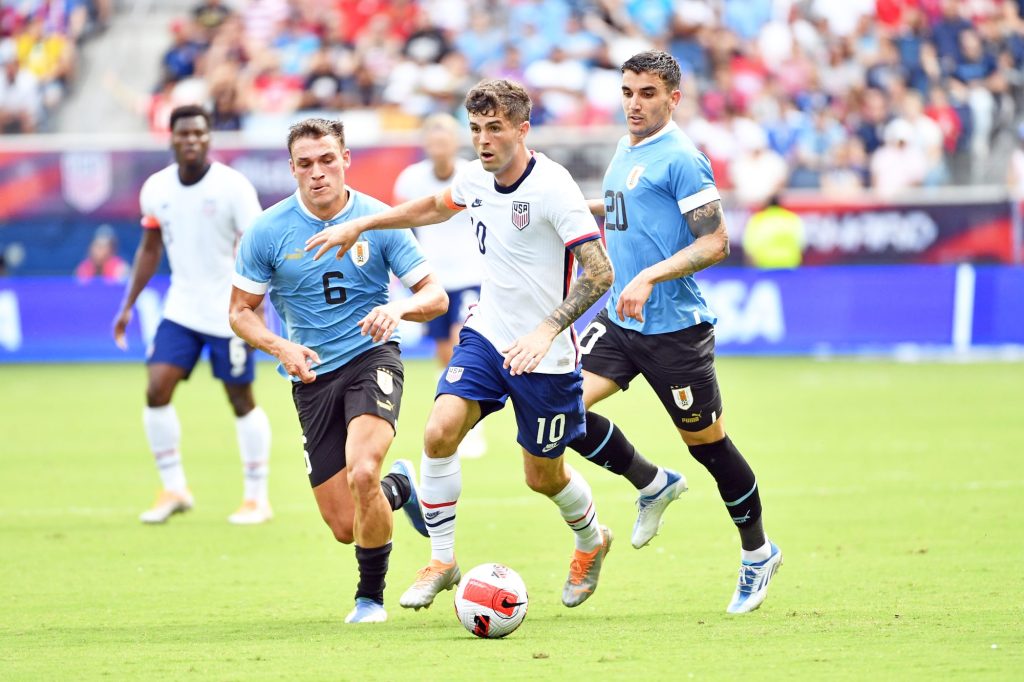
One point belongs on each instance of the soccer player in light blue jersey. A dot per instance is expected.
(341, 350)
(663, 223)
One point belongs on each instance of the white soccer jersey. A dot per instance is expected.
(450, 247)
(200, 225)
(525, 232)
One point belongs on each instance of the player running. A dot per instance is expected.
(342, 351)
(663, 223)
(197, 210)
(531, 224)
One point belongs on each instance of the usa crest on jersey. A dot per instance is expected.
(683, 397)
(360, 253)
(520, 214)
(454, 374)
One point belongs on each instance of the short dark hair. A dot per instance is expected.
(189, 111)
(493, 97)
(316, 128)
(657, 62)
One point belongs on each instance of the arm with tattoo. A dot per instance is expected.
(711, 246)
(591, 285)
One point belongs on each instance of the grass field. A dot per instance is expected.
(895, 490)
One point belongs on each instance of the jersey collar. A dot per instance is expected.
(309, 214)
(501, 189)
(671, 126)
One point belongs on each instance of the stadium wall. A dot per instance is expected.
(831, 310)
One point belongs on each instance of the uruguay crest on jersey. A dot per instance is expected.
(360, 253)
(634, 176)
(683, 397)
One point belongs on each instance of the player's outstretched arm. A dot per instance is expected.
(596, 207)
(249, 325)
(428, 300)
(147, 260)
(526, 353)
(428, 210)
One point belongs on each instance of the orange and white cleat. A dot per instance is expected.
(584, 571)
(430, 580)
(251, 513)
(167, 504)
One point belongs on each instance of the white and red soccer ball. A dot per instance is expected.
(491, 601)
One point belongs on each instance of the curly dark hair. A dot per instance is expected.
(657, 62)
(503, 98)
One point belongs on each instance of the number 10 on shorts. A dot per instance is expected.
(553, 428)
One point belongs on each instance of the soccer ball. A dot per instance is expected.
(491, 601)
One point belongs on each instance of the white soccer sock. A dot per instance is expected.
(253, 431)
(576, 504)
(163, 430)
(655, 486)
(440, 487)
(754, 556)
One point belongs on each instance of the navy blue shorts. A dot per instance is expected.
(459, 303)
(549, 407)
(232, 358)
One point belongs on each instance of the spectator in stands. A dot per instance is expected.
(757, 173)
(209, 16)
(323, 89)
(21, 101)
(898, 164)
(925, 135)
(179, 61)
(102, 261)
(846, 173)
(1015, 170)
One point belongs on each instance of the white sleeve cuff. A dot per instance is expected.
(416, 274)
(705, 196)
(249, 286)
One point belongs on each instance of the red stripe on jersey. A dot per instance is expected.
(584, 238)
(150, 222)
(437, 506)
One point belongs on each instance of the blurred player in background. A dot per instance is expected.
(197, 210)
(342, 351)
(663, 223)
(451, 246)
(531, 223)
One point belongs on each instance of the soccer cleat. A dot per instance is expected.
(367, 611)
(649, 508)
(752, 587)
(251, 513)
(168, 503)
(584, 571)
(411, 507)
(429, 582)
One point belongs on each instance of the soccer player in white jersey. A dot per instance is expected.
(197, 210)
(532, 224)
(342, 351)
(451, 246)
(663, 223)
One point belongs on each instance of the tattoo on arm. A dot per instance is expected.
(595, 280)
(712, 244)
(705, 219)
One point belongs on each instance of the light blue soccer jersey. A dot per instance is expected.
(320, 302)
(647, 189)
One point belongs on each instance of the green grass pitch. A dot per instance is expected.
(895, 490)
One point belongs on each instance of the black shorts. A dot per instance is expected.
(369, 384)
(679, 366)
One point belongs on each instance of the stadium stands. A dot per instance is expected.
(38, 56)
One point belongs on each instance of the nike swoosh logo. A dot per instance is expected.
(506, 604)
(476, 202)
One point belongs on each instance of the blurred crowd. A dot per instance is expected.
(38, 55)
(831, 94)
